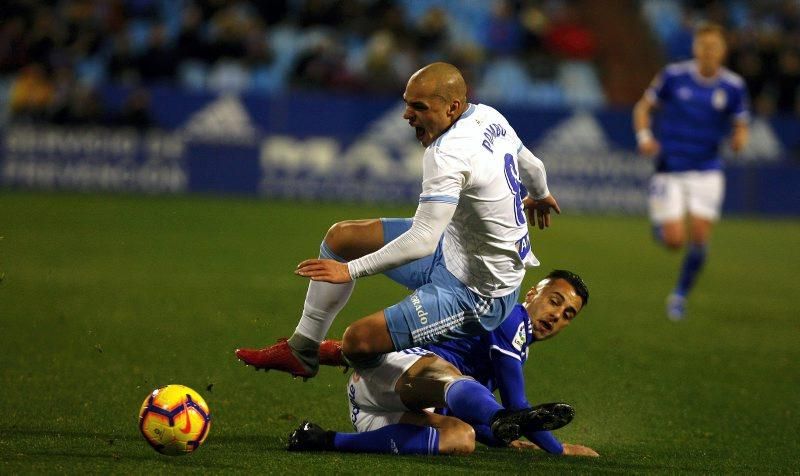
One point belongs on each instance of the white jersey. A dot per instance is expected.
(475, 165)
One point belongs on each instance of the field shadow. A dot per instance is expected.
(110, 438)
(108, 449)
(558, 464)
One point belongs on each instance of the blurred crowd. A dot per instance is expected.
(56, 55)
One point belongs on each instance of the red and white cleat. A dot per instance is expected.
(276, 357)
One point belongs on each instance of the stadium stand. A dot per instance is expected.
(564, 53)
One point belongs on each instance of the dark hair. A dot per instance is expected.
(573, 279)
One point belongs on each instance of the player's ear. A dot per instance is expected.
(532, 292)
(455, 105)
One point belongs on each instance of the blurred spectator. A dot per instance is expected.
(315, 13)
(788, 81)
(386, 68)
(123, 63)
(83, 107)
(158, 62)
(504, 31)
(136, 111)
(322, 65)
(13, 45)
(568, 37)
(32, 93)
(679, 43)
(229, 27)
(432, 32)
(46, 34)
(191, 43)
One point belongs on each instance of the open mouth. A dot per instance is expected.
(545, 326)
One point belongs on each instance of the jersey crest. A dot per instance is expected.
(520, 338)
(719, 99)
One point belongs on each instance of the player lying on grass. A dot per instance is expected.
(387, 403)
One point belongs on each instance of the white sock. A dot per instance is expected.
(323, 303)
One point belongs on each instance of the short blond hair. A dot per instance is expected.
(709, 27)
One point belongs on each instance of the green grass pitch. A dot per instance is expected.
(104, 298)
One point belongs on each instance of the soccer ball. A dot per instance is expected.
(174, 419)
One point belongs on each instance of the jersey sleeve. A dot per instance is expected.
(444, 176)
(659, 89)
(740, 105)
(510, 381)
(508, 348)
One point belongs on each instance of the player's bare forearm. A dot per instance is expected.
(327, 270)
(740, 136)
(641, 124)
(641, 115)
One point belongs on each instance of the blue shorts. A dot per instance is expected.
(441, 307)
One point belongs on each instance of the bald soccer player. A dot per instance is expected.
(464, 253)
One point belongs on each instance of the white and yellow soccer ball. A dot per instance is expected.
(175, 420)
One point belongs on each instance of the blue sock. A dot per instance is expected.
(471, 401)
(399, 439)
(692, 264)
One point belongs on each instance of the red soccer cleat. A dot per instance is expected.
(330, 353)
(276, 357)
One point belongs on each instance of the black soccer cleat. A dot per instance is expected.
(509, 425)
(310, 437)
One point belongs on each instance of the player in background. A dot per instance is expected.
(697, 103)
(387, 403)
(464, 253)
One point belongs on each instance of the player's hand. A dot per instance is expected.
(649, 147)
(522, 445)
(578, 450)
(539, 210)
(327, 270)
(739, 138)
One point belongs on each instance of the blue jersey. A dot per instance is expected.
(480, 356)
(695, 114)
(495, 359)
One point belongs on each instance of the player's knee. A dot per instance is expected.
(673, 239)
(456, 437)
(674, 242)
(338, 236)
(351, 239)
(356, 342)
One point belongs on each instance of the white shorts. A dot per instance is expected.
(674, 194)
(371, 392)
